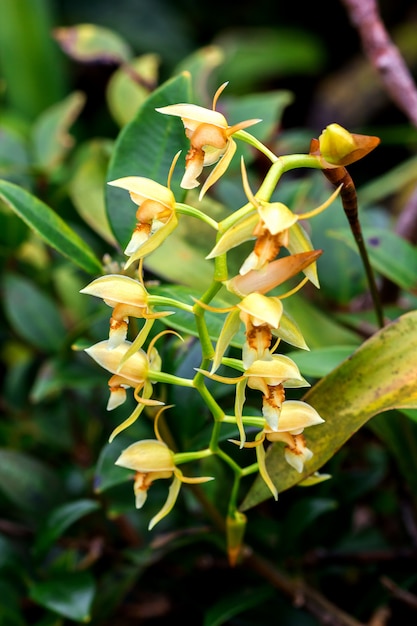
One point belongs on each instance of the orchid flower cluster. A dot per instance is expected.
(272, 226)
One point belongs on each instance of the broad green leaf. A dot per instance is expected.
(256, 55)
(146, 147)
(90, 43)
(318, 328)
(379, 376)
(60, 519)
(70, 595)
(27, 482)
(107, 474)
(130, 85)
(320, 361)
(234, 604)
(393, 181)
(51, 140)
(31, 68)
(389, 254)
(200, 64)
(33, 314)
(268, 107)
(50, 226)
(14, 157)
(87, 186)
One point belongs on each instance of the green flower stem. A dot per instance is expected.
(255, 143)
(205, 341)
(164, 301)
(171, 379)
(187, 457)
(250, 469)
(186, 209)
(216, 411)
(267, 188)
(247, 420)
(221, 272)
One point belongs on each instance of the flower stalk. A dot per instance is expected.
(261, 369)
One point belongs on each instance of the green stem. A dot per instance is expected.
(267, 188)
(171, 379)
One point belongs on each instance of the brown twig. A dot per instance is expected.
(301, 594)
(400, 594)
(384, 55)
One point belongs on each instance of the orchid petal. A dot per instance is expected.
(236, 235)
(261, 458)
(220, 168)
(115, 288)
(148, 455)
(141, 188)
(173, 492)
(296, 414)
(274, 274)
(154, 240)
(230, 328)
(239, 402)
(192, 115)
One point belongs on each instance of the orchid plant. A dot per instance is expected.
(266, 278)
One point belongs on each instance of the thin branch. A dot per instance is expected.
(384, 55)
(301, 594)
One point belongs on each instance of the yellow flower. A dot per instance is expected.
(132, 372)
(295, 416)
(339, 147)
(274, 226)
(156, 214)
(128, 298)
(151, 459)
(211, 140)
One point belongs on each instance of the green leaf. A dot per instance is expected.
(14, 157)
(256, 55)
(107, 474)
(60, 519)
(33, 314)
(49, 226)
(321, 361)
(379, 376)
(389, 254)
(70, 595)
(268, 107)
(30, 66)
(222, 611)
(146, 147)
(317, 327)
(90, 43)
(50, 138)
(87, 185)
(130, 85)
(28, 483)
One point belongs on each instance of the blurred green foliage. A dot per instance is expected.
(74, 113)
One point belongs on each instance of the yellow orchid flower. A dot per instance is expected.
(274, 226)
(151, 459)
(295, 416)
(211, 140)
(128, 298)
(132, 372)
(156, 215)
(270, 376)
